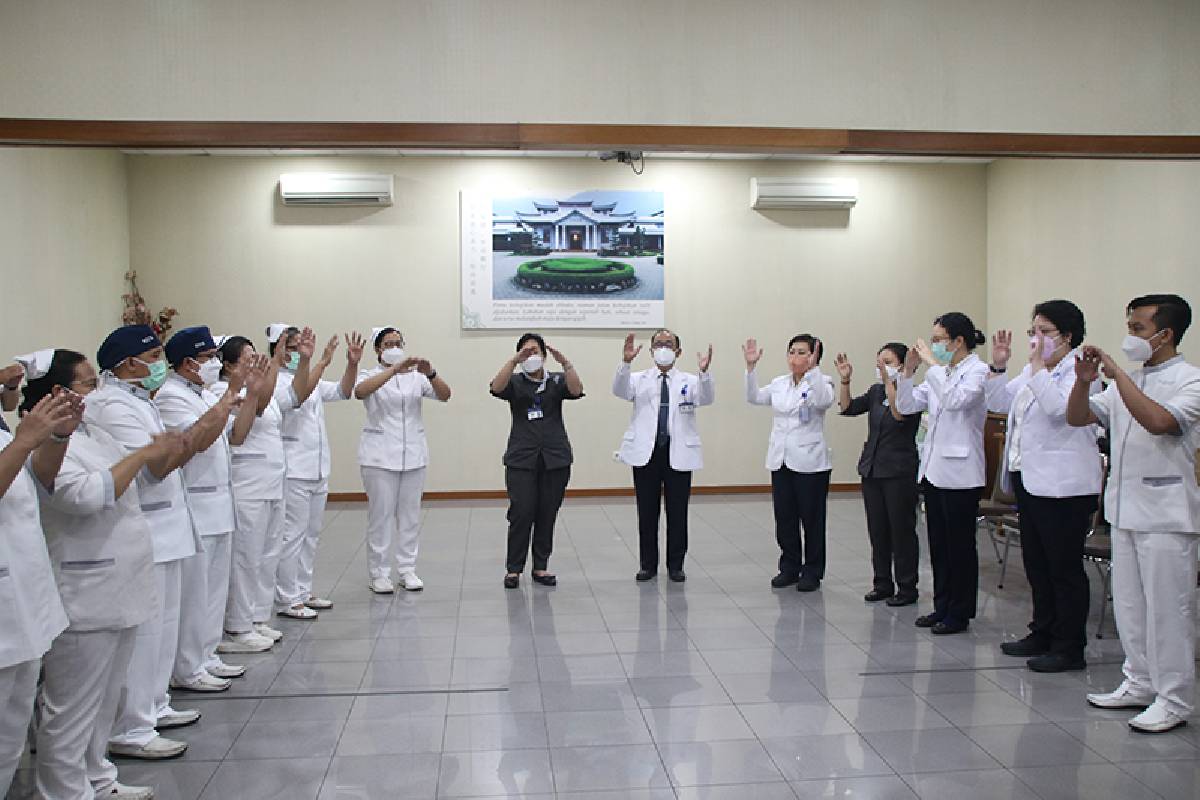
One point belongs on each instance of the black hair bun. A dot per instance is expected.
(979, 337)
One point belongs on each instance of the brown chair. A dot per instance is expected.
(1097, 551)
(998, 515)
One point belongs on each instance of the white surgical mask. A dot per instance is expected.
(392, 356)
(664, 356)
(209, 372)
(1138, 349)
(532, 364)
(892, 372)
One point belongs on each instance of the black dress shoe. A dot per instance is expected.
(1056, 662)
(512, 581)
(545, 579)
(783, 579)
(645, 575)
(895, 601)
(928, 620)
(677, 575)
(944, 627)
(875, 595)
(808, 585)
(1031, 645)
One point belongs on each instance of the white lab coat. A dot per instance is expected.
(393, 437)
(798, 429)
(305, 441)
(1056, 459)
(33, 613)
(1152, 479)
(129, 416)
(207, 477)
(686, 391)
(952, 456)
(259, 463)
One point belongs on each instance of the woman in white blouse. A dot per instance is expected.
(798, 457)
(392, 455)
(952, 463)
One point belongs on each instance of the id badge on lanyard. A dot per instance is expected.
(535, 411)
(805, 411)
(686, 406)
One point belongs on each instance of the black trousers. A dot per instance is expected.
(800, 499)
(650, 483)
(891, 506)
(534, 497)
(1053, 531)
(951, 520)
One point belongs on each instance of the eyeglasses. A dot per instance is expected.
(91, 383)
(1050, 334)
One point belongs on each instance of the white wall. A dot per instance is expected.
(64, 248)
(1068, 66)
(209, 238)
(1098, 233)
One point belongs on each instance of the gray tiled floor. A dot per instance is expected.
(599, 689)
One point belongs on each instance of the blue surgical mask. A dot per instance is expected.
(157, 376)
(942, 353)
(293, 362)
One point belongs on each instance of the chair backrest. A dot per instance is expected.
(994, 432)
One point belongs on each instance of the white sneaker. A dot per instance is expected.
(156, 749)
(318, 603)
(250, 642)
(204, 683)
(1156, 719)
(128, 792)
(382, 586)
(266, 631)
(222, 670)
(177, 719)
(299, 611)
(410, 582)
(1123, 696)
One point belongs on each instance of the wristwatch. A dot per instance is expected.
(997, 370)
(432, 374)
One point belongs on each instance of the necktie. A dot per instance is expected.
(664, 410)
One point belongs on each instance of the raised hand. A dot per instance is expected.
(752, 354)
(41, 420)
(912, 360)
(1036, 359)
(330, 348)
(530, 349)
(883, 374)
(1107, 365)
(704, 359)
(630, 352)
(556, 355)
(1087, 364)
(815, 356)
(924, 353)
(256, 372)
(844, 367)
(74, 414)
(354, 347)
(424, 367)
(10, 376)
(405, 365)
(1001, 348)
(308, 343)
(235, 375)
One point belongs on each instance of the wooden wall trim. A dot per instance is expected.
(612, 491)
(152, 134)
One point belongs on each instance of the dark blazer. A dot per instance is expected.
(891, 447)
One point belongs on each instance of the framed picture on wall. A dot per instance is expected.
(581, 259)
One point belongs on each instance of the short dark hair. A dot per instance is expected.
(1171, 311)
(678, 341)
(959, 324)
(384, 332)
(231, 351)
(292, 331)
(809, 340)
(899, 349)
(1066, 316)
(61, 373)
(531, 337)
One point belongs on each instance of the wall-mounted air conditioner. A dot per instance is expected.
(768, 193)
(335, 189)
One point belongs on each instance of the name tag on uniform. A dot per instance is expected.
(687, 407)
(534, 413)
(805, 414)
(886, 403)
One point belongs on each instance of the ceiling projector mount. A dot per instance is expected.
(634, 158)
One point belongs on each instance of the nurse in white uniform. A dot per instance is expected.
(1152, 502)
(133, 368)
(34, 614)
(306, 445)
(184, 402)
(259, 468)
(392, 455)
(102, 552)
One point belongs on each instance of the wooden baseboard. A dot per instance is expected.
(609, 491)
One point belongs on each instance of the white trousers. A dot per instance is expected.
(204, 579)
(18, 686)
(304, 515)
(1154, 603)
(393, 518)
(256, 544)
(153, 659)
(85, 673)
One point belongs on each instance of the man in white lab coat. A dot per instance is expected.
(662, 444)
(1152, 502)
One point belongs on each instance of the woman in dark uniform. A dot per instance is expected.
(537, 461)
(888, 467)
